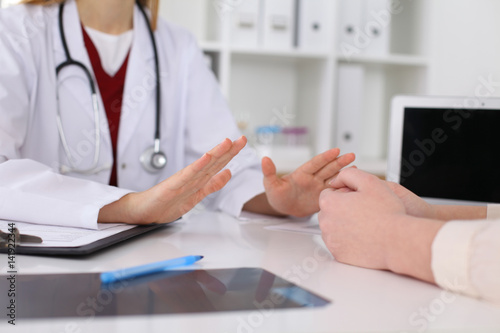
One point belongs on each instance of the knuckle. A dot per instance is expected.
(325, 198)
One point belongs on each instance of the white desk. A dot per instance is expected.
(363, 300)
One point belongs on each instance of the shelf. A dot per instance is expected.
(291, 53)
(211, 46)
(296, 86)
(393, 59)
(377, 167)
(286, 158)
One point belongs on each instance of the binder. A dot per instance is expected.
(314, 25)
(365, 27)
(350, 39)
(245, 31)
(350, 106)
(278, 24)
(377, 26)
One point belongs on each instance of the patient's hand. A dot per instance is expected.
(364, 223)
(359, 217)
(414, 205)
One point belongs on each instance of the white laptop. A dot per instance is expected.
(446, 149)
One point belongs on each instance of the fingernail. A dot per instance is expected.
(332, 181)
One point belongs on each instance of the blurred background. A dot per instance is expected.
(302, 76)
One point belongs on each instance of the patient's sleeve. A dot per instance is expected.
(466, 258)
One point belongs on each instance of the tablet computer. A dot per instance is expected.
(446, 149)
(171, 292)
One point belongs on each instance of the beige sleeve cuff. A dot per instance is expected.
(451, 256)
(493, 212)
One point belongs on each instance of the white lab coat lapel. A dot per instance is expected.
(140, 84)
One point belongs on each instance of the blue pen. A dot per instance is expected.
(156, 267)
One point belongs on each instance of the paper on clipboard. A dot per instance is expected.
(54, 236)
(309, 227)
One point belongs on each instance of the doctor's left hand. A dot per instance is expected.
(179, 193)
(297, 193)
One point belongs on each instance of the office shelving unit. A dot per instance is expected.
(294, 87)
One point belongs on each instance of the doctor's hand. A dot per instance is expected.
(297, 193)
(179, 193)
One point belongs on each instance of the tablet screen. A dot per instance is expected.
(174, 292)
(451, 153)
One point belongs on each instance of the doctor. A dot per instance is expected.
(106, 115)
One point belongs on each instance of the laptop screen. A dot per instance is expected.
(451, 153)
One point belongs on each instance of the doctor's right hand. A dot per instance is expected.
(178, 194)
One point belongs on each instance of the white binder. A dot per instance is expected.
(350, 107)
(278, 24)
(377, 25)
(246, 25)
(314, 20)
(350, 40)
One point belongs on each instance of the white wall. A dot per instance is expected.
(464, 46)
(188, 13)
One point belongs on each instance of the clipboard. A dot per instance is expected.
(90, 248)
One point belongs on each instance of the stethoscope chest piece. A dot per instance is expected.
(153, 161)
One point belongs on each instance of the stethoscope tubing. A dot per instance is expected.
(95, 106)
(157, 72)
(149, 162)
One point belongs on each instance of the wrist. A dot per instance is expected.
(261, 205)
(410, 249)
(118, 211)
(434, 212)
(448, 212)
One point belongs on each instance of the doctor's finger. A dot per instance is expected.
(320, 161)
(219, 162)
(215, 183)
(333, 168)
(195, 176)
(194, 171)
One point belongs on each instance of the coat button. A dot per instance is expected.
(124, 166)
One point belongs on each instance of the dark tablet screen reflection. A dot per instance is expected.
(175, 292)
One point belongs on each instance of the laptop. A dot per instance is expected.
(446, 149)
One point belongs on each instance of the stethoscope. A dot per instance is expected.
(152, 159)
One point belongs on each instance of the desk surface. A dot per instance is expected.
(363, 300)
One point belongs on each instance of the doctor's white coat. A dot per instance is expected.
(195, 118)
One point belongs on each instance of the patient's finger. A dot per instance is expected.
(353, 178)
